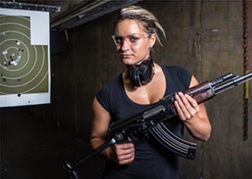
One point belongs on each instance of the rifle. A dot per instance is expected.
(150, 121)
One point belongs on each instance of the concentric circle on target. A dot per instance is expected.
(23, 66)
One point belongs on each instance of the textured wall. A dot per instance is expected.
(205, 37)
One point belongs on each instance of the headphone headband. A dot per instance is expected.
(142, 73)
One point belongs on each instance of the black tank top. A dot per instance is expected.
(152, 161)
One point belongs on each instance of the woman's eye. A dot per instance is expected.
(118, 39)
(133, 39)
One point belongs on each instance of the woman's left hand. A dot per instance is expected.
(186, 106)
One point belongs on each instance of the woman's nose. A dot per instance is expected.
(125, 45)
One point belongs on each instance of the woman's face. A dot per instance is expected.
(132, 42)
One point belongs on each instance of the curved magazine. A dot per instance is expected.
(172, 142)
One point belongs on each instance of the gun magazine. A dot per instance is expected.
(172, 142)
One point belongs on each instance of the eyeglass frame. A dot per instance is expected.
(128, 37)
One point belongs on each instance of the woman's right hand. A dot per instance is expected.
(122, 154)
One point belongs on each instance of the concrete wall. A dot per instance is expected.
(206, 37)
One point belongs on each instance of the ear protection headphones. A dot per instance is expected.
(142, 73)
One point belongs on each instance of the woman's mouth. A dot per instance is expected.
(124, 56)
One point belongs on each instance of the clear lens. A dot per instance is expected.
(130, 39)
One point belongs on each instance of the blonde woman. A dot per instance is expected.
(142, 83)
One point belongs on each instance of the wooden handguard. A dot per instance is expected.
(201, 92)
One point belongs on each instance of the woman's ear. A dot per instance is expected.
(153, 39)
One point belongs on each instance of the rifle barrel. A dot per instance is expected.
(222, 79)
(232, 83)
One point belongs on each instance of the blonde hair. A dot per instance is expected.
(149, 22)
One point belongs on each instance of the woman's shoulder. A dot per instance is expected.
(176, 73)
(109, 91)
(176, 70)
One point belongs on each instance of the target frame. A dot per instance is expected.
(25, 58)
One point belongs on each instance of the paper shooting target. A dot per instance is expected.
(23, 65)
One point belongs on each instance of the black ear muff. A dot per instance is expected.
(142, 73)
(134, 76)
(146, 71)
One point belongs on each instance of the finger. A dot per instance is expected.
(193, 103)
(124, 149)
(181, 108)
(188, 107)
(125, 159)
(178, 111)
(125, 153)
(191, 106)
(124, 146)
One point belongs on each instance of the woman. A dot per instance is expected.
(142, 83)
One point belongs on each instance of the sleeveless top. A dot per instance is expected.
(151, 161)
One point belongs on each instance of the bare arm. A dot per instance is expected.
(119, 153)
(193, 115)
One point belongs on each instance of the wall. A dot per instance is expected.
(206, 37)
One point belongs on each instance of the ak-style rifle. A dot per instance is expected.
(150, 121)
